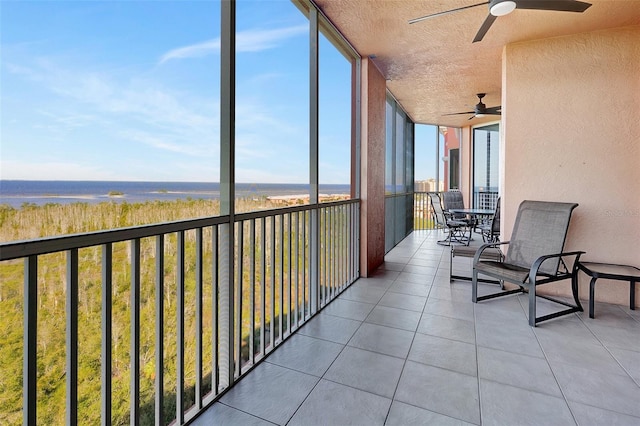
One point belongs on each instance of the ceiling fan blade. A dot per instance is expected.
(413, 21)
(494, 110)
(461, 113)
(485, 27)
(557, 5)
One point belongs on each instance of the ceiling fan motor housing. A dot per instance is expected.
(480, 107)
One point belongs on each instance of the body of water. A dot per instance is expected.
(18, 192)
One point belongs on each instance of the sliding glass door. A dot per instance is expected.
(486, 166)
(399, 175)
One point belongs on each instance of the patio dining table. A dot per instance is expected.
(473, 212)
(473, 215)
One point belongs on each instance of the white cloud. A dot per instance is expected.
(194, 51)
(246, 41)
(169, 142)
(130, 109)
(131, 114)
(257, 40)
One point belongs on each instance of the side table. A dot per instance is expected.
(613, 272)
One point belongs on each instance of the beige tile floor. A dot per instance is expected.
(407, 347)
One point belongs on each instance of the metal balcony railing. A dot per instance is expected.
(422, 212)
(485, 199)
(230, 293)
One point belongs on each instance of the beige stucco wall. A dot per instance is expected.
(571, 132)
(372, 168)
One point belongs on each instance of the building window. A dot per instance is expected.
(486, 166)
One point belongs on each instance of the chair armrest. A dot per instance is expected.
(448, 215)
(483, 247)
(533, 273)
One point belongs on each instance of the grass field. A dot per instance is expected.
(31, 222)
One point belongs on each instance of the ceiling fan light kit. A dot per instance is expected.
(501, 7)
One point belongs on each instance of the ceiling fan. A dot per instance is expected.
(480, 110)
(503, 7)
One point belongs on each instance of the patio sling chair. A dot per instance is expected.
(490, 233)
(453, 200)
(534, 257)
(490, 230)
(456, 229)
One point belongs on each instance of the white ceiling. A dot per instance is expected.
(433, 68)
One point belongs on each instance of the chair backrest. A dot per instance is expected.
(437, 209)
(540, 229)
(495, 221)
(452, 200)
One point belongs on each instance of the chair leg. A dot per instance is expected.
(532, 304)
(474, 286)
(447, 240)
(592, 295)
(451, 265)
(574, 290)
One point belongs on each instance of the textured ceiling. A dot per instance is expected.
(433, 68)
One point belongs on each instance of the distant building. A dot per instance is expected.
(428, 185)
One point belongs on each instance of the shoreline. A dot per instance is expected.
(17, 194)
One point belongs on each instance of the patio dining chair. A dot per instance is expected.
(453, 200)
(534, 257)
(456, 229)
(490, 229)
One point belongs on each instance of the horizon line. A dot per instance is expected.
(162, 181)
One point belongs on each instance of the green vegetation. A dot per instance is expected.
(32, 221)
(115, 193)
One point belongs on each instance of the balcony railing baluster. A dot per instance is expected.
(159, 382)
(289, 312)
(252, 289)
(340, 242)
(281, 278)
(135, 332)
(199, 330)
(72, 338)
(324, 258)
(297, 263)
(215, 380)
(306, 295)
(341, 254)
(30, 357)
(180, 328)
(238, 299)
(335, 262)
(272, 313)
(263, 283)
(332, 249)
(106, 324)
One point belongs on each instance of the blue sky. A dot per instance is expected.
(129, 90)
(425, 149)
